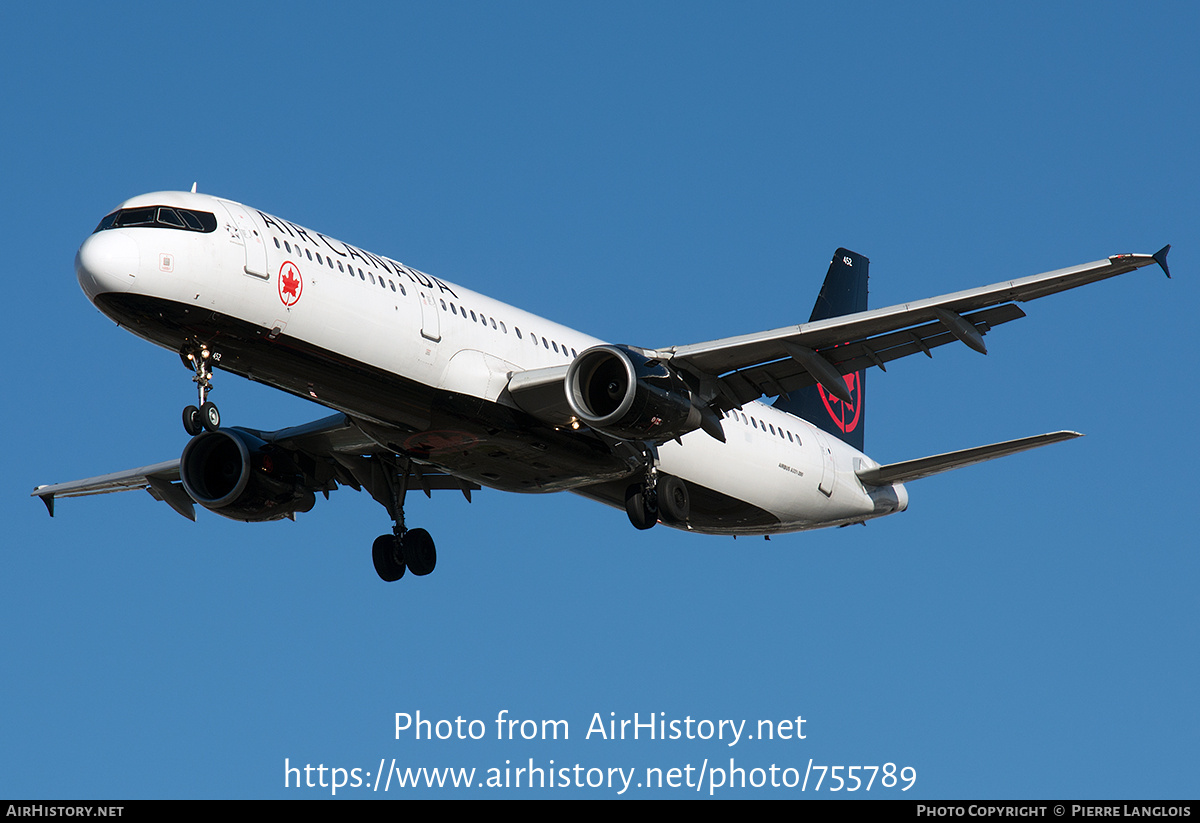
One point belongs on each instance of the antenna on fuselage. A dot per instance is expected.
(193, 188)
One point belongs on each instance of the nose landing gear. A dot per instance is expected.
(206, 416)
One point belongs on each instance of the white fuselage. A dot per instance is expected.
(291, 286)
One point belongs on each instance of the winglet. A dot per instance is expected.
(1160, 257)
(48, 499)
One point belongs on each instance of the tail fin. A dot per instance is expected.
(843, 292)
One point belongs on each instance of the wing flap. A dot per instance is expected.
(336, 433)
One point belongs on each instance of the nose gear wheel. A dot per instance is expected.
(205, 415)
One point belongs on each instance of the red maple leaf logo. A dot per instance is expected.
(290, 284)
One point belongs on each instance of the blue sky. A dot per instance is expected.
(654, 174)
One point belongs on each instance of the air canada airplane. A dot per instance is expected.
(436, 387)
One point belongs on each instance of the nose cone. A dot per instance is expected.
(107, 262)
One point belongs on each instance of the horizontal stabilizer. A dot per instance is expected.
(938, 463)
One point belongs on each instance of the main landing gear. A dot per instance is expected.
(404, 548)
(641, 504)
(206, 417)
(657, 497)
(413, 550)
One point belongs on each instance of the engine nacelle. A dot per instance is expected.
(622, 393)
(236, 475)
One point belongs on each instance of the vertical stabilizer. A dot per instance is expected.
(843, 292)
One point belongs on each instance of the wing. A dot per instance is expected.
(333, 451)
(542, 393)
(783, 360)
(735, 370)
(161, 479)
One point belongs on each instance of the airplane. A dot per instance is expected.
(436, 387)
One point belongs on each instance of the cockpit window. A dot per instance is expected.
(169, 217)
(135, 217)
(193, 221)
(107, 222)
(160, 217)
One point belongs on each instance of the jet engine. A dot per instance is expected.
(236, 475)
(622, 393)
